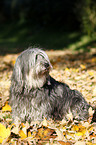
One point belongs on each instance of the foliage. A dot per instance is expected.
(37, 11)
(15, 37)
(87, 16)
(66, 14)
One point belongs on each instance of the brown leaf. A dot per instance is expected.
(64, 143)
(45, 133)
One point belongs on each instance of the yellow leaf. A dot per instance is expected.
(93, 59)
(82, 66)
(13, 62)
(64, 128)
(29, 134)
(1, 140)
(22, 124)
(91, 73)
(90, 129)
(33, 134)
(75, 128)
(22, 134)
(80, 130)
(66, 69)
(79, 133)
(76, 70)
(89, 143)
(4, 132)
(6, 107)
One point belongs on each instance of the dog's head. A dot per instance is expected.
(32, 68)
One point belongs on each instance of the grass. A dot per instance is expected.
(15, 37)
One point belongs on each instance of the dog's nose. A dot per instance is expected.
(46, 65)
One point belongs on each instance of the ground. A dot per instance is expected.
(78, 70)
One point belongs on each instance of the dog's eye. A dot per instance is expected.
(46, 65)
(39, 57)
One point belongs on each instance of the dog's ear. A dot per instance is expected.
(17, 78)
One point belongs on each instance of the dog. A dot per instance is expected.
(34, 94)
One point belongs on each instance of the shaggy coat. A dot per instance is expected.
(34, 94)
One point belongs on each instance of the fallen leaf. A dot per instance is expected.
(13, 62)
(60, 135)
(45, 133)
(4, 132)
(44, 122)
(94, 91)
(22, 134)
(64, 143)
(93, 135)
(69, 116)
(91, 111)
(79, 133)
(6, 107)
(82, 66)
(29, 134)
(91, 73)
(93, 59)
(89, 143)
(67, 69)
(80, 143)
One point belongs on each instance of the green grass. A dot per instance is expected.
(15, 37)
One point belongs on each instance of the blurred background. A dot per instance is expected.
(49, 24)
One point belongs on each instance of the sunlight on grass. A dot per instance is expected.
(81, 43)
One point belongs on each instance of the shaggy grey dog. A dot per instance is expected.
(34, 94)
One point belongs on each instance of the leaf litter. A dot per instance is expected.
(78, 70)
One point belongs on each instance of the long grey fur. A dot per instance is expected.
(34, 94)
